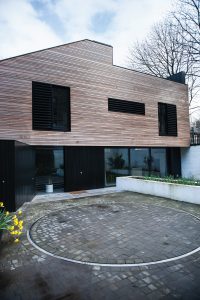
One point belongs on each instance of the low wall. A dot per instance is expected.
(180, 192)
(190, 162)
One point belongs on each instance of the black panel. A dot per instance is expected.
(42, 106)
(51, 107)
(174, 162)
(167, 117)
(125, 106)
(84, 168)
(162, 118)
(171, 120)
(16, 174)
(24, 173)
(179, 77)
(7, 177)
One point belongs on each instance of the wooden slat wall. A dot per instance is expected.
(86, 67)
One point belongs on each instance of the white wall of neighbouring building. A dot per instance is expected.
(190, 162)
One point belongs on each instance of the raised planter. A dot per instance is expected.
(180, 192)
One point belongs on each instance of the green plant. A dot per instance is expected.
(116, 161)
(171, 179)
(5, 218)
(11, 223)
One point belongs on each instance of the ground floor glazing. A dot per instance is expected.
(76, 168)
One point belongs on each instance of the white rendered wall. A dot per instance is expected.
(180, 192)
(190, 162)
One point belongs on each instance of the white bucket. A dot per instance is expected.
(49, 188)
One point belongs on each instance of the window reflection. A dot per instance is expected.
(116, 164)
(158, 164)
(49, 167)
(140, 161)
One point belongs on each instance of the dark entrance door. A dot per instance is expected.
(84, 168)
(17, 166)
(7, 177)
(24, 173)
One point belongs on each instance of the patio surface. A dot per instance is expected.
(126, 246)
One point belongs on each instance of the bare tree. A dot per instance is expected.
(187, 15)
(161, 54)
(164, 53)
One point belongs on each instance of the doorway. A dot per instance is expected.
(84, 168)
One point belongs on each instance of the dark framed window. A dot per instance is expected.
(51, 107)
(125, 106)
(167, 117)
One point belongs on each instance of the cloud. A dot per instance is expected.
(21, 29)
(28, 25)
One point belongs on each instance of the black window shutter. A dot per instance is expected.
(61, 108)
(125, 106)
(162, 117)
(167, 116)
(42, 106)
(171, 120)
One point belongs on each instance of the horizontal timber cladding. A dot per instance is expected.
(126, 106)
(86, 68)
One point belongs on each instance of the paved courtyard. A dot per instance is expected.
(109, 246)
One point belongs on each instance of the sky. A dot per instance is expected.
(30, 25)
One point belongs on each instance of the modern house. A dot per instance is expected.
(67, 114)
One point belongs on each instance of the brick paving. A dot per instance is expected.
(117, 233)
(27, 273)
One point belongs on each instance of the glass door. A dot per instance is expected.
(49, 167)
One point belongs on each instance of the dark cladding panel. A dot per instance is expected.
(84, 168)
(174, 161)
(178, 77)
(24, 173)
(7, 174)
(125, 106)
(16, 174)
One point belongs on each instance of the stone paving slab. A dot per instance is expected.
(122, 233)
(52, 197)
(27, 273)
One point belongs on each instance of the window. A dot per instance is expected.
(167, 117)
(51, 107)
(140, 161)
(116, 164)
(125, 106)
(158, 162)
(49, 167)
(134, 162)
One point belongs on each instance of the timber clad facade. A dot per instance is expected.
(107, 107)
(86, 67)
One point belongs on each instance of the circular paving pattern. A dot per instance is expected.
(122, 233)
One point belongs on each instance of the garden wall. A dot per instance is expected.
(190, 162)
(180, 192)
